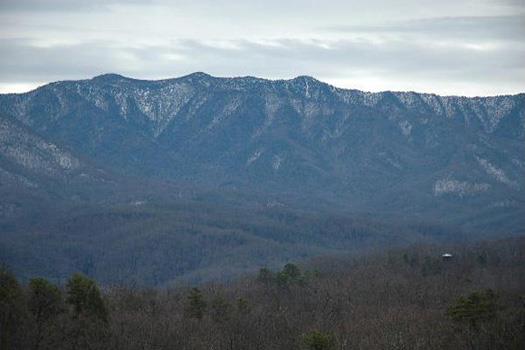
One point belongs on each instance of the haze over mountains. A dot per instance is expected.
(199, 145)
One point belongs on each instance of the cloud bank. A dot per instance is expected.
(460, 47)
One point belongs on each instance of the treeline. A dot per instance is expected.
(404, 299)
(42, 316)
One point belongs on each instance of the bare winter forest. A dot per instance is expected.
(405, 299)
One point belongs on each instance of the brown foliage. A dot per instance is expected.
(405, 299)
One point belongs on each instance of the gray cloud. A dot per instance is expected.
(479, 54)
(63, 5)
(459, 28)
(280, 58)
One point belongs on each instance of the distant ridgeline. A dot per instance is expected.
(201, 177)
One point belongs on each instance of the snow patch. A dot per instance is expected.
(253, 158)
(277, 161)
(496, 173)
(406, 127)
(460, 188)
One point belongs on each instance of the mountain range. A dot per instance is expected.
(246, 143)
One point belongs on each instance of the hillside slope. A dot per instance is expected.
(405, 153)
(199, 178)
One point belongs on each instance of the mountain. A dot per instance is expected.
(298, 144)
(371, 150)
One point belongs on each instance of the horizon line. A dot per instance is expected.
(39, 85)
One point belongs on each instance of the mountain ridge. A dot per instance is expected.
(170, 179)
(250, 77)
(291, 135)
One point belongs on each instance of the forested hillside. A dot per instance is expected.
(208, 238)
(201, 178)
(401, 153)
(404, 299)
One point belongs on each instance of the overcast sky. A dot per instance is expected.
(448, 47)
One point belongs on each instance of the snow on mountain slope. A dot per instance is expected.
(391, 151)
